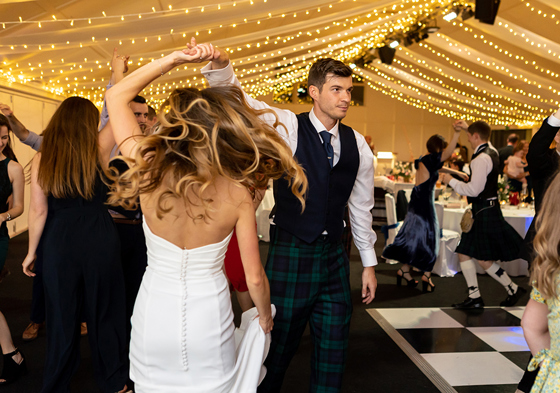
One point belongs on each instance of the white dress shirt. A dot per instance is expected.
(481, 166)
(361, 198)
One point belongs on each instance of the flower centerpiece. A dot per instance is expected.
(503, 188)
(403, 170)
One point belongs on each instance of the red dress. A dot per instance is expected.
(234, 267)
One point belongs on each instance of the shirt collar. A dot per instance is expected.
(320, 127)
(480, 147)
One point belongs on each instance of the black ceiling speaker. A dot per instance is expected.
(486, 10)
(386, 54)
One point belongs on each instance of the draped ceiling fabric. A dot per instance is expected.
(507, 73)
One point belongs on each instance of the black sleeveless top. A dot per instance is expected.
(5, 192)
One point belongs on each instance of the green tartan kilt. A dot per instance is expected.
(491, 237)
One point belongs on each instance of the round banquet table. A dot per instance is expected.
(520, 219)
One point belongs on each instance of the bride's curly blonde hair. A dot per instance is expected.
(202, 135)
(545, 270)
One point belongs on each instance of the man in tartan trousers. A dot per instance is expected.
(307, 266)
(491, 238)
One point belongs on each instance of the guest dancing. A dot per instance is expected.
(11, 184)
(491, 238)
(81, 264)
(307, 265)
(541, 319)
(193, 178)
(417, 242)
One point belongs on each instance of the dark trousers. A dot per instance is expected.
(84, 274)
(308, 283)
(134, 260)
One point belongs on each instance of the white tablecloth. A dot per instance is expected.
(519, 219)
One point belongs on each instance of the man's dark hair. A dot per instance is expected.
(139, 99)
(481, 128)
(322, 67)
(151, 112)
(458, 163)
(513, 138)
(436, 143)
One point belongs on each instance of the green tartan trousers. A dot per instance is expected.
(309, 282)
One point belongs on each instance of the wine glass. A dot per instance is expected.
(446, 192)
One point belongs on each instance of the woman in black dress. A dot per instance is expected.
(81, 263)
(11, 184)
(417, 243)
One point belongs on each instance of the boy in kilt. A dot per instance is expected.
(491, 238)
(307, 266)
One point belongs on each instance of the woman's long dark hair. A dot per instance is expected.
(8, 151)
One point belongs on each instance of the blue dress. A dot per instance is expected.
(417, 242)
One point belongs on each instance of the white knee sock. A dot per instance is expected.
(469, 271)
(500, 275)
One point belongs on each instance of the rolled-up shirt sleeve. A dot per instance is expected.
(33, 140)
(360, 204)
(480, 168)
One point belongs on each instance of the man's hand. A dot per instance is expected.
(219, 58)
(464, 176)
(369, 284)
(446, 178)
(6, 110)
(459, 125)
(119, 66)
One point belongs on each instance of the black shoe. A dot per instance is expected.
(13, 370)
(511, 300)
(470, 303)
(412, 283)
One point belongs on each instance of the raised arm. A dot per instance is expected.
(38, 210)
(17, 127)
(457, 126)
(537, 158)
(125, 127)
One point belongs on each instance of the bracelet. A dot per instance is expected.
(8, 217)
(160, 67)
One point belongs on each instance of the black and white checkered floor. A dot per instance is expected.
(474, 351)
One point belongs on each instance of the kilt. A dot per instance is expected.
(309, 282)
(491, 237)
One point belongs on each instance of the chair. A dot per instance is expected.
(447, 262)
(392, 228)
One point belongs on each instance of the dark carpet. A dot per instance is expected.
(375, 362)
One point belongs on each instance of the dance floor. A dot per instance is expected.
(376, 361)
(474, 351)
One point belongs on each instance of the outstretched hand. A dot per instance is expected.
(6, 110)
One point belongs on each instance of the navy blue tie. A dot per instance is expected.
(326, 136)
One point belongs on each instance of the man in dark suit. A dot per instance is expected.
(507, 150)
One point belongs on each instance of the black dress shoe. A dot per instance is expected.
(470, 303)
(511, 300)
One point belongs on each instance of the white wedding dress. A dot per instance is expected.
(183, 338)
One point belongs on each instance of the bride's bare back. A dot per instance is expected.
(229, 202)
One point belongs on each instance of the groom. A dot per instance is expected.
(307, 266)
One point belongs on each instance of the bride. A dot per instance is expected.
(195, 178)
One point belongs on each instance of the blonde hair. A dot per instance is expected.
(545, 270)
(69, 163)
(205, 134)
